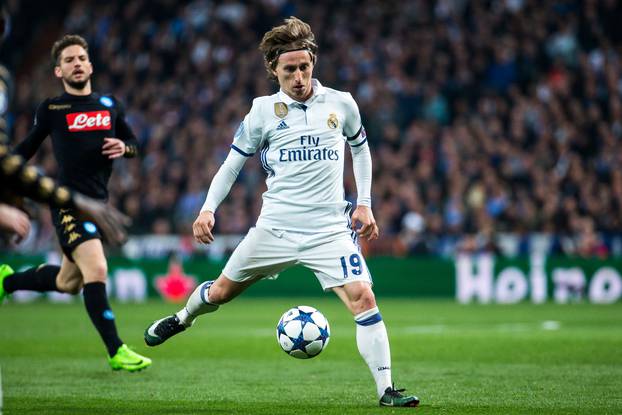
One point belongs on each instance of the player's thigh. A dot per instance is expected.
(72, 230)
(336, 261)
(69, 278)
(90, 259)
(262, 253)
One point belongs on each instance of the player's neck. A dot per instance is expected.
(75, 91)
(305, 99)
(301, 100)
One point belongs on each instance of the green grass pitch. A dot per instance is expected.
(521, 359)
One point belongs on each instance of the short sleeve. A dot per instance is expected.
(352, 126)
(352, 122)
(247, 138)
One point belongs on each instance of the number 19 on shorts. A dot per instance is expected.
(354, 264)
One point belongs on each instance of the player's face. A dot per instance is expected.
(294, 71)
(74, 67)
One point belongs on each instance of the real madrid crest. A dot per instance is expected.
(332, 121)
(280, 109)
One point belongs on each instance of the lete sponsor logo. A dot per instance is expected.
(88, 121)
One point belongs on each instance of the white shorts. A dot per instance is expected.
(334, 258)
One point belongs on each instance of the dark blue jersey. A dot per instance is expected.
(78, 126)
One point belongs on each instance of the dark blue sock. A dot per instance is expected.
(96, 303)
(41, 279)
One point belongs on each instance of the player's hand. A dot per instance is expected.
(202, 227)
(14, 221)
(364, 216)
(111, 222)
(113, 148)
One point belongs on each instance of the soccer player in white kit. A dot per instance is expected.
(300, 133)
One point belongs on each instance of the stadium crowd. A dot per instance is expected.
(485, 118)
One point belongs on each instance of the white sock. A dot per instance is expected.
(373, 345)
(197, 304)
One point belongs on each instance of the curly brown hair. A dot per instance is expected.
(294, 34)
(65, 42)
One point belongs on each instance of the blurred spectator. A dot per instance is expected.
(484, 117)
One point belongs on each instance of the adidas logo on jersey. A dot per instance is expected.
(282, 126)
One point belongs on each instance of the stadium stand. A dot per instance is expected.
(494, 125)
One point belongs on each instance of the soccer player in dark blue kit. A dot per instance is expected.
(19, 180)
(88, 132)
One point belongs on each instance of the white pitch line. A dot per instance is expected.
(432, 328)
(548, 325)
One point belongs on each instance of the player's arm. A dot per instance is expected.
(26, 181)
(39, 131)
(245, 142)
(125, 143)
(218, 190)
(129, 139)
(14, 222)
(6, 87)
(362, 167)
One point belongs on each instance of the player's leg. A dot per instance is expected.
(338, 265)
(372, 341)
(41, 279)
(261, 254)
(206, 298)
(210, 294)
(90, 260)
(5, 272)
(69, 278)
(48, 277)
(66, 278)
(45, 277)
(371, 334)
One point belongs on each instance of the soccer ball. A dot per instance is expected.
(303, 332)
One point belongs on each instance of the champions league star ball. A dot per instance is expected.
(303, 332)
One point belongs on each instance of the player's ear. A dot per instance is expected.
(58, 72)
(313, 58)
(273, 66)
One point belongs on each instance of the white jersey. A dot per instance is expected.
(302, 146)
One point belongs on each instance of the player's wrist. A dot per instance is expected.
(208, 206)
(129, 150)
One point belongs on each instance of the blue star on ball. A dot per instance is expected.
(304, 318)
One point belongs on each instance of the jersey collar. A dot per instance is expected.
(67, 95)
(318, 90)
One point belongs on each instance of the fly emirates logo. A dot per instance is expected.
(309, 150)
(88, 121)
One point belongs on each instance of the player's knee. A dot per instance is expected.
(96, 273)
(363, 300)
(72, 287)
